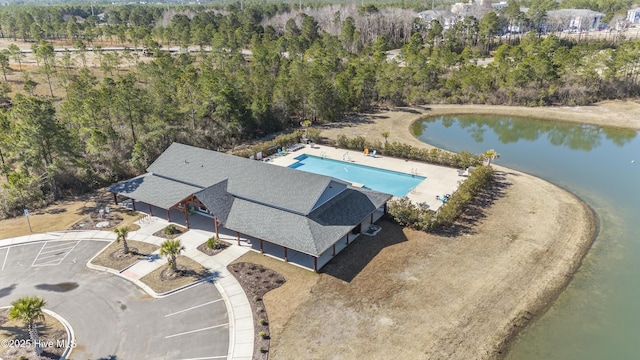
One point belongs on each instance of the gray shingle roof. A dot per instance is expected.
(277, 186)
(217, 200)
(312, 234)
(268, 202)
(154, 190)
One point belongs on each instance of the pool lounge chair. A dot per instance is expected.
(281, 153)
(295, 147)
(373, 153)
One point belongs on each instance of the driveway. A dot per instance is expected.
(111, 317)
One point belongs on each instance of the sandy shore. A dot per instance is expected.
(462, 295)
(398, 121)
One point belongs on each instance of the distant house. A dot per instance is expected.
(633, 16)
(300, 212)
(574, 19)
(445, 17)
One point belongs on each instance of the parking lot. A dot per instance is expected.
(111, 317)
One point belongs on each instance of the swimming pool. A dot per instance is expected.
(386, 181)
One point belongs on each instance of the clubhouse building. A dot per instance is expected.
(284, 212)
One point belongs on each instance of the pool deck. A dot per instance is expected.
(439, 180)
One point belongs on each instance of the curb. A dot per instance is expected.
(70, 334)
(139, 283)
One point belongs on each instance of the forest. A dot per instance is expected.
(81, 115)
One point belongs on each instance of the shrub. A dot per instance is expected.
(263, 321)
(256, 298)
(263, 335)
(263, 349)
(404, 151)
(405, 212)
(313, 134)
(269, 147)
(171, 230)
(214, 243)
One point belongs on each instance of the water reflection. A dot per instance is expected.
(511, 130)
(598, 315)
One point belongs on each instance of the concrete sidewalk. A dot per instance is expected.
(241, 331)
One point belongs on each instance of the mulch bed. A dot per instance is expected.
(209, 251)
(179, 231)
(114, 257)
(163, 279)
(256, 280)
(51, 331)
(95, 222)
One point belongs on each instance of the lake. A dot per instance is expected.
(598, 315)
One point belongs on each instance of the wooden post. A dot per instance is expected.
(215, 222)
(334, 250)
(238, 235)
(286, 258)
(115, 198)
(150, 210)
(347, 238)
(371, 218)
(261, 249)
(169, 215)
(133, 204)
(186, 216)
(315, 264)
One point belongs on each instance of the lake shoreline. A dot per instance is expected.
(399, 123)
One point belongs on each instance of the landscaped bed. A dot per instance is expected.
(163, 279)
(14, 337)
(171, 231)
(113, 256)
(212, 246)
(256, 280)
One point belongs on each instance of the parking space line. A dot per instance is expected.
(197, 330)
(55, 250)
(42, 248)
(48, 263)
(70, 250)
(50, 256)
(193, 307)
(5, 258)
(208, 357)
(64, 252)
(53, 245)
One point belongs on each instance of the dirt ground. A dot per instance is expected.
(163, 280)
(113, 257)
(257, 280)
(51, 330)
(66, 213)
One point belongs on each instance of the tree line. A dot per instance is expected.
(257, 71)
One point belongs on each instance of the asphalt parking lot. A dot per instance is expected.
(111, 317)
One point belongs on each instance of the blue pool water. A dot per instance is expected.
(386, 181)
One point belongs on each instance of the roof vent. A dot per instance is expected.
(185, 161)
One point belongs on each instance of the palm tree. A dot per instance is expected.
(490, 155)
(171, 248)
(121, 235)
(28, 309)
(385, 135)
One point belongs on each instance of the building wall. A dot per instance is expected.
(633, 16)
